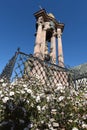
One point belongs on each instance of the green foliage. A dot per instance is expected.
(27, 104)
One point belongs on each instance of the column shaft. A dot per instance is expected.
(43, 43)
(37, 50)
(53, 49)
(60, 50)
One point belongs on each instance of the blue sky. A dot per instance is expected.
(17, 27)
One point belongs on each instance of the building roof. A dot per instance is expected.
(80, 71)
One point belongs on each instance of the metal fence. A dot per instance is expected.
(48, 73)
(24, 65)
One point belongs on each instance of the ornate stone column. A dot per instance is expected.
(37, 48)
(60, 50)
(53, 48)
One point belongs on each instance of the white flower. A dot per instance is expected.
(29, 91)
(42, 122)
(39, 108)
(84, 116)
(59, 86)
(48, 84)
(5, 99)
(43, 108)
(1, 80)
(0, 92)
(85, 95)
(41, 94)
(17, 92)
(52, 119)
(68, 97)
(55, 124)
(61, 98)
(48, 98)
(49, 125)
(74, 128)
(84, 125)
(32, 105)
(30, 125)
(70, 121)
(22, 91)
(4, 84)
(2, 95)
(11, 93)
(24, 85)
(37, 98)
(27, 101)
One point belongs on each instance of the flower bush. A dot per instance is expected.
(28, 104)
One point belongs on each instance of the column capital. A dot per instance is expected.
(54, 33)
(44, 28)
(39, 24)
(59, 32)
(40, 20)
(46, 25)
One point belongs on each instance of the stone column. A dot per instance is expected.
(37, 51)
(43, 43)
(53, 48)
(46, 48)
(60, 50)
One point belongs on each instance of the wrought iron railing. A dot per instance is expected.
(46, 72)
(24, 65)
